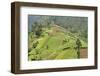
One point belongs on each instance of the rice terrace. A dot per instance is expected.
(57, 37)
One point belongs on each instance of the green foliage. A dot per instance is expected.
(56, 38)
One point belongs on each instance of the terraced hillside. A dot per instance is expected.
(54, 42)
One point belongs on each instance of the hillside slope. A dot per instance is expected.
(54, 43)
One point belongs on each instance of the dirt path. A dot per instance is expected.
(84, 53)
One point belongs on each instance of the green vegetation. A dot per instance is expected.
(52, 37)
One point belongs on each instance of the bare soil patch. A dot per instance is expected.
(84, 53)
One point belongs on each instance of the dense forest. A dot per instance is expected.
(56, 37)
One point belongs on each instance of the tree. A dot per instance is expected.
(37, 28)
(78, 43)
(38, 31)
(34, 26)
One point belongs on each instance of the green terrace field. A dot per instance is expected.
(53, 43)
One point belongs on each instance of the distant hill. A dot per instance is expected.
(76, 25)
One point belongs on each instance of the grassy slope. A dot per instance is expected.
(55, 46)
